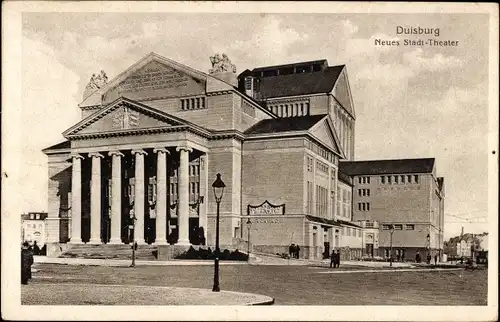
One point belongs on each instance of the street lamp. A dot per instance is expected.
(218, 186)
(131, 227)
(391, 230)
(249, 225)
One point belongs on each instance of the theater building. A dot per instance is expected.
(151, 141)
(405, 193)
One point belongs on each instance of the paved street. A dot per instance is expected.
(289, 285)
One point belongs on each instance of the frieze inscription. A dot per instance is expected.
(154, 78)
(266, 221)
(266, 208)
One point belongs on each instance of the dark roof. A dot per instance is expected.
(305, 63)
(62, 145)
(440, 181)
(348, 223)
(345, 178)
(322, 220)
(337, 222)
(299, 84)
(375, 167)
(298, 123)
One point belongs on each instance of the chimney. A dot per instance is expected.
(462, 232)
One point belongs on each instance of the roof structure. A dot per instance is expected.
(298, 123)
(317, 82)
(59, 146)
(398, 166)
(306, 63)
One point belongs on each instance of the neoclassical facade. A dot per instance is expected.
(152, 139)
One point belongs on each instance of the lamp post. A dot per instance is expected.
(390, 251)
(249, 225)
(131, 228)
(218, 187)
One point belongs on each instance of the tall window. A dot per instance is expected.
(409, 178)
(382, 179)
(416, 178)
(402, 179)
(396, 179)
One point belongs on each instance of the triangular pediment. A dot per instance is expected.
(153, 77)
(324, 132)
(342, 92)
(121, 116)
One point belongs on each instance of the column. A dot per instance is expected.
(139, 195)
(76, 200)
(95, 199)
(161, 196)
(116, 197)
(329, 194)
(183, 179)
(204, 191)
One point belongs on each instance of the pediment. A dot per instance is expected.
(153, 77)
(323, 131)
(123, 115)
(342, 92)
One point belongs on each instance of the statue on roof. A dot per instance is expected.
(95, 83)
(221, 64)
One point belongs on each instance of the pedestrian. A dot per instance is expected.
(297, 251)
(397, 256)
(337, 258)
(36, 249)
(418, 259)
(291, 250)
(26, 261)
(333, 261)
(435, 259)
(429, 257)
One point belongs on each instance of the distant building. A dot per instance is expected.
(463, 245)
(405, 193)
(33, 228)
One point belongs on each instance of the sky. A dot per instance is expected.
(410, 102)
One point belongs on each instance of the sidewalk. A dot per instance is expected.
(100, 294)
(123, 262)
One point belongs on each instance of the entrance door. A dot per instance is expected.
(326, 254)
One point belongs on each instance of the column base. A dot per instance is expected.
(95, 241)
(75, 241)
(115, 241)
(183, 243)
(160, 242)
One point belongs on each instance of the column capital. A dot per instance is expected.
(96, 155)
(116, 152)
(163, 150)
(76, 156)
(183, 148)
(139, 151)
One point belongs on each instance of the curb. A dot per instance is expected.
(193, 296)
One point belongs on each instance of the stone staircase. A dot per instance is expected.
(110, 251)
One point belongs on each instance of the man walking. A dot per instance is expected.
(333, 261)
(337, 258)
(297, 251)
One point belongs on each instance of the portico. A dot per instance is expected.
(121, 179)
